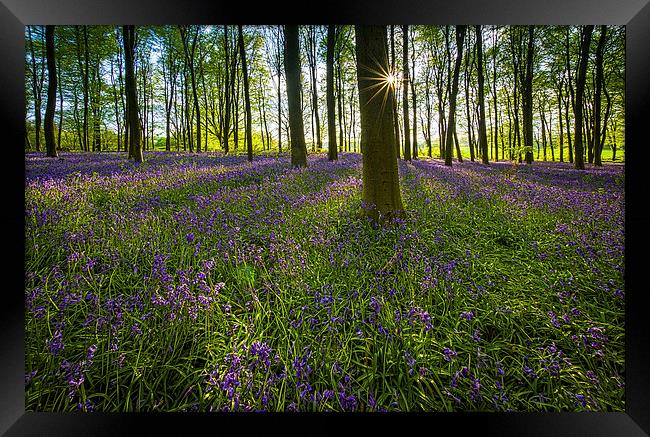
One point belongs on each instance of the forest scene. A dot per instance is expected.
(359, 218)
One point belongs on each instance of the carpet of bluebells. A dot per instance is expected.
(206, 283)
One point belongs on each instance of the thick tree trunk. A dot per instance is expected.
(580, 87)
(50, 144)
(451, 124)
(528, 98)
(131, 94)
(332, 154)
(292, 73)
(381, 192)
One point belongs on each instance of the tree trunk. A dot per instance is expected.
(580, 86)
(37, 88)
(405, 95)
(86, 88)
(451, 124)
(50, 144)
(482, 132)
(332, 154)
(247, 98)
(226, 121)
(528, 98)
(131, 94)
(468, 115)
(279, 71)
(381, 192)
(494, 92)
(311, 51)
(393, 72)
(414, 146)
(599, 84)
(292, 73)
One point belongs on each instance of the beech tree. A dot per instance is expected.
(405, 93)
(332, 154)
(135, 147)
(50, 144)
(249, 117)
(381, 193)
(451, 123)
(585, 41)
(292, 74)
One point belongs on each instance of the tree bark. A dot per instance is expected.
(528, 98)
(405, 95)
(392, 71)
(598, 144)
(451, 123)
(247, 98)
(580, 87)
(482, 131)
(135, 146)
(332, 154)
(226, 121)
(50, 144)
(381, 193)
(414, 145)
(292, 73)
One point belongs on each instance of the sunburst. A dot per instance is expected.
(384, 81)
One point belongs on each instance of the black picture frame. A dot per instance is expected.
(634, 14)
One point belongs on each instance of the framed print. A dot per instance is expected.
(380, 213)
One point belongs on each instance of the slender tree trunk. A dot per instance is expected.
(570, 93)
(405, 95)
(482, 132)
(414, 146)
(311, 51)
(339, 96)
(599, 84)
(60, 84)
(226, 122)
(559, 116)
(467, 106)
(451, 124)
(247, 99)
(381, 192)
(428, 121)
(332, 152)
(494, 92)
(292, 73)
(50, 145)
(279, 72)
(37, 88)
(393, 72)
(86, 88)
